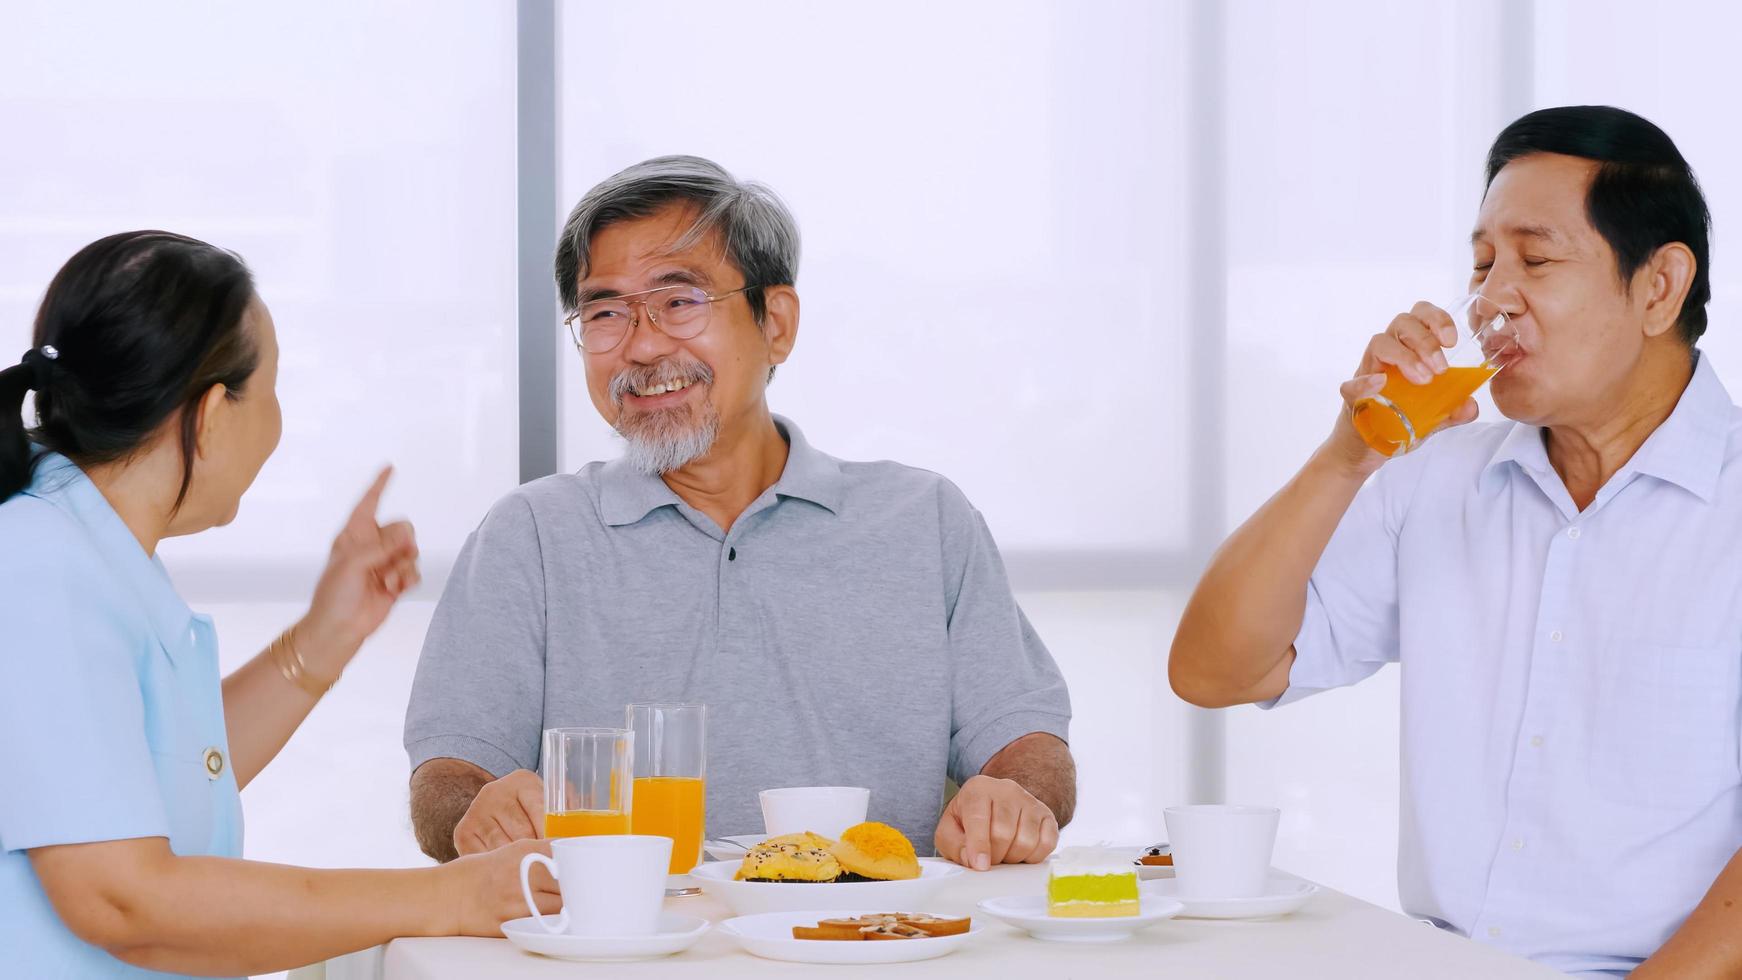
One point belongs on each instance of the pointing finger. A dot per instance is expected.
(363, 515)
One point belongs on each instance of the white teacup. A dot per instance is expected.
(825, 810)
(612, 884)
(1221, 850)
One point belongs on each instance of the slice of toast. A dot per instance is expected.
(827, 932)
(884, 926)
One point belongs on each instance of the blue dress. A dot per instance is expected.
(111, 711)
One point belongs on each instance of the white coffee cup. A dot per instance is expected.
(825, 810)
(1222, 850)
(612, 884)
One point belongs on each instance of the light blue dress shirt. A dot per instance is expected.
(1571, 681)
(111, 713)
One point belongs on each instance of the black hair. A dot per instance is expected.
(135, 328)
(1642, 197)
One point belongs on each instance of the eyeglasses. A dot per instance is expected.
(680, 312)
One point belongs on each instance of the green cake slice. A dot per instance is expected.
(1091, 882)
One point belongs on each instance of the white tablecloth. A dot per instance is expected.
(1333, 936)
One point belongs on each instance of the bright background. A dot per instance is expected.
(1102, 263)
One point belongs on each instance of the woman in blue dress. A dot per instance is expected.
(122, 751)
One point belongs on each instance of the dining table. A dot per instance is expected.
(1332, 935)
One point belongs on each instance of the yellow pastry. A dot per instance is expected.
(806, 839)
(788, 863)
(876, 851)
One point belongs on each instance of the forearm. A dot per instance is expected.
(1709, 943)
(263, 708)
(441, 791)
(1041, 764)
(1234, 639)
(230, 917)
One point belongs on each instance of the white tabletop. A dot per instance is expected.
(1334, 935)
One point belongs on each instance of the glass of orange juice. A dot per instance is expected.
(671, 781)
(587, 776)
(1404, 413)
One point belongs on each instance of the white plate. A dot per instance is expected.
(1282, 895)
(740, 845)
(675, 934)
(1028, 913)
(755, 897)
(769, 935)
(1150, 872)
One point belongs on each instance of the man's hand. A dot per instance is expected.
(995, 821)
(1414, 344)
(506, 810)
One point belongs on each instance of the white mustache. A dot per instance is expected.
(665, 372)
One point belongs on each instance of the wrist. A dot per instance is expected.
(445, 916)
(1345, 458)
(313, 677)
(326, 649)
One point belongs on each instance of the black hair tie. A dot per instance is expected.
(41, 361)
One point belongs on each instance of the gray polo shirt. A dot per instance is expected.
(855, 627)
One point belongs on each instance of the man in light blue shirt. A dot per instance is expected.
(1560, 590)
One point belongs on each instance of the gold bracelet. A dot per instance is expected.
(291, 665)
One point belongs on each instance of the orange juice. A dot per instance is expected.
(1426, 406)
(585, 823)
(675, 807)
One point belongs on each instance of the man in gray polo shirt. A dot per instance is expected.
(846, 623)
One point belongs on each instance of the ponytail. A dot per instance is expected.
(133, 329)
(16, 459)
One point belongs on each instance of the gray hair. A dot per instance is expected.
(758, 231)
(658, 449)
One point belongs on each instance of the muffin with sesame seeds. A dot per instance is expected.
(789, 862)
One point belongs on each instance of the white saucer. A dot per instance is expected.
(675, 934)
(769, 936)
(1028, 913)
(740, 846)
(1282, 895)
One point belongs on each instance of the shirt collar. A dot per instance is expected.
(626, 495)
(810, 474)
(1686, 449)
(60, 481)
(1523, 445)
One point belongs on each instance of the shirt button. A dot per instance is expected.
(1573, 532)
(1555, 637)
(1536, 741)
(1518, 845)
(214, 763)
(1493, 932)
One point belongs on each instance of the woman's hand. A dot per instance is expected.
(483, 890)
(370, 567)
